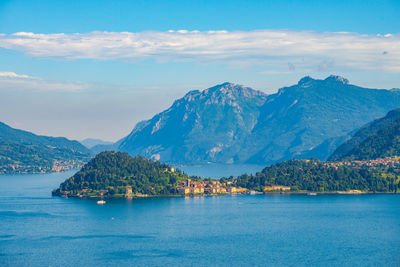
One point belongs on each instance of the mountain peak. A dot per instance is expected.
(224, 91)
(332, 78)
(336, 78)
(229, 89)
(305, 80)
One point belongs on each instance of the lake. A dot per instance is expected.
(261, 230)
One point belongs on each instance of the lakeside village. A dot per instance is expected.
(186, 188)
(197, 188)
(58, 166)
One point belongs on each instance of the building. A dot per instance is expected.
(231, 190)
(277, 188)
(128, 190)
(184, 190)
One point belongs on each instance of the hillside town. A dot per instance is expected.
(215, 187)
(190, 187)
(393, 162)
(58, 166)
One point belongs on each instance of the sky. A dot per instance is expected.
(93, 69)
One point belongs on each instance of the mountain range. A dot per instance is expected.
(231, 123)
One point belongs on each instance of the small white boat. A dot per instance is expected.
(312, 194)
(101, 202)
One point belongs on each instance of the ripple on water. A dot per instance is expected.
(142, 253)
(67, 237)
(25, 213)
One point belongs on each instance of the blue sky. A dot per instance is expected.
(95, 68)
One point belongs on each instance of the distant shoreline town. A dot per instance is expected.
(57, 166)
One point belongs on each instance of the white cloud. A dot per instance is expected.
(9, 74)
(304, 49)
(13, 81)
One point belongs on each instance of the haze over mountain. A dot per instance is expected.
(231, 123)
(91, 142)
(378, 139)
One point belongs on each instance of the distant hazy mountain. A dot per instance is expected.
(22, 151)
(103, 147)
(91, 142)
(235, 124)
(378, 139)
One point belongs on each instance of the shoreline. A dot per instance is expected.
(310, 193)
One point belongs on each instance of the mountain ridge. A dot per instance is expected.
(230, 123)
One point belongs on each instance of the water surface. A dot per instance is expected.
(274, 230)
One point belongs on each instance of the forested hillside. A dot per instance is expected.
(111, 172)
(314, 175)
(378, 139)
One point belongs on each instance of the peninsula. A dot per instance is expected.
(116, 174)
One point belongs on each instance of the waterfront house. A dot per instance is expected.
(128, 191)
(184, 190)
(277, 188)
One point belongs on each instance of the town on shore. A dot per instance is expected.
(201, 188)
(116, 174)
(55, 166)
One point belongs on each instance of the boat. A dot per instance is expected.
(101, 202)
(312, 194)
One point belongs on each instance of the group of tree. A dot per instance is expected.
(378, 139)
(314, 175)
(113, 171)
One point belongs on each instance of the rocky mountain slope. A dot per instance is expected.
(203, 126)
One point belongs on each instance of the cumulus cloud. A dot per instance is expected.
(13, 81)
(304, 49)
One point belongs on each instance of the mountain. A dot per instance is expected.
(301, 117)
(25, 152)
(112, 172)
(91, 142)
(203, 126)
(378, 139)
(230, 123)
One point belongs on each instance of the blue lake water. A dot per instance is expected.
(262, 230)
